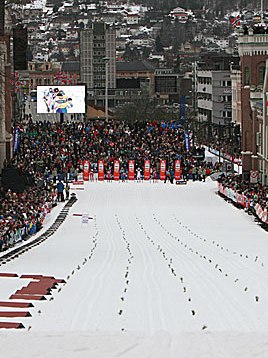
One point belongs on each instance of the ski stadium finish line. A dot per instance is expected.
(130, 175)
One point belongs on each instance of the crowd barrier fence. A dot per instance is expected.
(243, 201)
(12, 237)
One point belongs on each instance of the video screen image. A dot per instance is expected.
(60, 99)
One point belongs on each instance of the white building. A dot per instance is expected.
(214, 96)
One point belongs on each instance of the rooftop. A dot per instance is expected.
(133, 66)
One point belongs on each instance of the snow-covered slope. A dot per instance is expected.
(160, 270)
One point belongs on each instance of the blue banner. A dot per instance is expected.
(182, 109)
(187, 141)
(16, 140)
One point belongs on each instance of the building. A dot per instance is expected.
(137, 69)
(43, 73)
(166, 85)
(7, 96)
(253, 51)
(97, 57)
(180, 14)
(214, 96)
(53, 73)
(212, 100)
(20, 47)
(236, 96)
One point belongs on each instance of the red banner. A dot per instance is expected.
(100, 170)
(147, 169)
(177, 169)
(116, 170)
(162, 169)
(131, 170)
(86, 169)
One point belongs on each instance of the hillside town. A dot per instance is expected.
(172, 63)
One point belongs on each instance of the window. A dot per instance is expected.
(227, 114)
(247, 76)
(261, 75)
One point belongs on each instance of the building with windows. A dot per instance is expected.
(166, 85)
(141, 70)
(212, 99)
(236, 95)
(214, 96)
(7, 95)
(253, 51)
(53, 73)
(97, 59)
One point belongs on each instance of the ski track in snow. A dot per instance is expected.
(156, 261)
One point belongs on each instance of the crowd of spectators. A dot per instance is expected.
(50, 152)
(52, 149)
(254, 192)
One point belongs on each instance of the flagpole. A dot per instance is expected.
(262, 11)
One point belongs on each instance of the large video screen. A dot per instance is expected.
(61, 99)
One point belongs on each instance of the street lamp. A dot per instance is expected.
(106, 61)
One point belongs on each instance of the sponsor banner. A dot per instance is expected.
(264, 216)
(246, 201)
(231, 194)
(236, 197)
(147, 165)
(177, 169)
(261, 213)
(86, 169)
(221, 189)
(131, 169)
(100, 170)
(78, 182)
(116, 170)
(187, 141)
(240, 199)
(16, 140)
(162, 169)
(182, 109)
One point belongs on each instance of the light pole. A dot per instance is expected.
(106, 61)
(219, 140)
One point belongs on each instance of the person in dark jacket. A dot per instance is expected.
(60, 188)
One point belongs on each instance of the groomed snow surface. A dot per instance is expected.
(160, 270)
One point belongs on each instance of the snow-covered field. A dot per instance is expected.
(159, 271)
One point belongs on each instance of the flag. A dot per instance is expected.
(16, 140)
(235, 21)
(187, 141)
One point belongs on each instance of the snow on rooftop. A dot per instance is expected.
(37, 4)
(136, 8)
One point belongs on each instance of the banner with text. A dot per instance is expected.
(100, 170)
(86, 169)
(162, 169)
(177, 169)
(116, 170)
(131, 169)
(147, 166)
